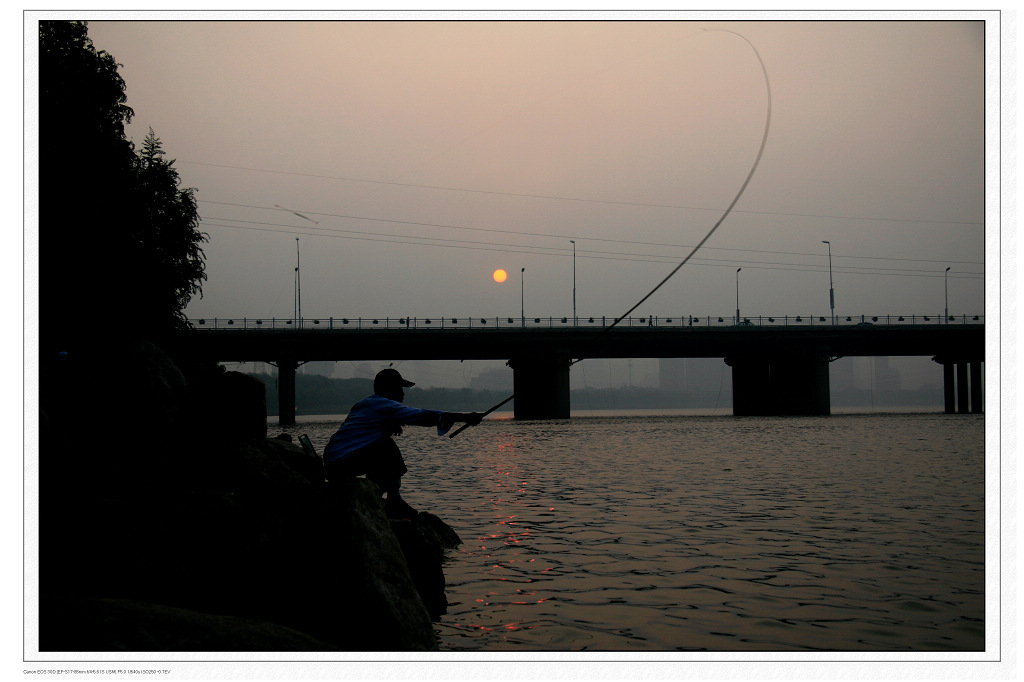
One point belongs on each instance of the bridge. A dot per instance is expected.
(779, 364)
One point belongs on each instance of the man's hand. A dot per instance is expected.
(449, 418)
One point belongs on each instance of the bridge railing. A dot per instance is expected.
(588, 322)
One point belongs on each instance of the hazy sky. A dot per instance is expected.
(433, 152)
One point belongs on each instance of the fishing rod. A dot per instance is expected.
(757, 160)
(466, 426)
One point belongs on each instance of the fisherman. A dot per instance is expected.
(364, 443)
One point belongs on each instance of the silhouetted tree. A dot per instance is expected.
(119, 259)
(119, 248)
(172, 252)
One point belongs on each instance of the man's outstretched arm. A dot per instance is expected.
(449, 418)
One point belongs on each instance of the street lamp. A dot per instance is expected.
(573, 242)
(945, 278)
(831, 290)
(522, 294)
(738, 295)
(298, 286)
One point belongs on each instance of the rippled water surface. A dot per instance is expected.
(717, 533)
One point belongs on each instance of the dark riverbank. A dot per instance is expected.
(183, 527)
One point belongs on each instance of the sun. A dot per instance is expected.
(500, 275)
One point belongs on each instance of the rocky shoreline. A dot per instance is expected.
(221, 539)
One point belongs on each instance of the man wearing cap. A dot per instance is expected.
(364, 444)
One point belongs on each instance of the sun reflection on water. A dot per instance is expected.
(580, 543)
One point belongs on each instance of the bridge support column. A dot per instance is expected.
(801, 387)
(779, 386)
(962, 390)
(751, 379)
(948, 387)
(286, 390)
(976, 388)
(541, 385)
(962, 387)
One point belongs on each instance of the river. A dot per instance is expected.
(685, 532)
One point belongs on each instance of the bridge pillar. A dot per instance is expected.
(801, 386)
(541, 386)
(948, 387)
(962, 387)
(962, 390)
(976, 388)
(779, 386)
(751, 379)
(286, 367)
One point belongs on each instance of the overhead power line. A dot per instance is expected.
(553, 236)
(558, 251)
(551, 197)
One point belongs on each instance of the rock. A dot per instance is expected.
(84, 624)
(424, 539)
(240, 406)
(437, 531)
(309, 466)
(269, 541)
(188, 535)
(371, 574)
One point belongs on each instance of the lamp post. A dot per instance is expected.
(738, 295)
(831, 290)
(945, 282)
(574, 320)
(298, 286)
(522, 294)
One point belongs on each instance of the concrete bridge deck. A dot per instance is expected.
(421, 343)
(779, 367)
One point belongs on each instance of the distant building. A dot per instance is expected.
(492, 380)
(918, 372)
(704, 374)
(886, 378)
(322, 367)
(690, 374)
(672, 374)
(351, 370)
(840, 374)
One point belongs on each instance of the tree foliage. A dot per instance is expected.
(171, 221)
(119, 244)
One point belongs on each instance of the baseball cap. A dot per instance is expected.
(390, 377)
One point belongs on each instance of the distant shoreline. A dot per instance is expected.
(667, 412)
(321, 396)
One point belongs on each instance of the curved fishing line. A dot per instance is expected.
(746, 181)
(753, 168)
